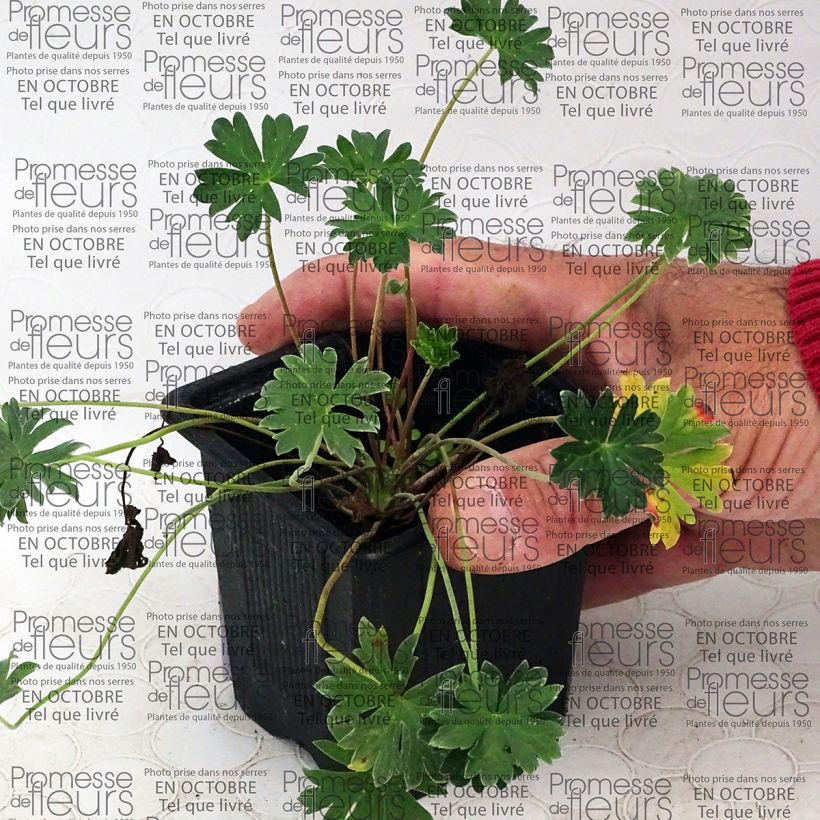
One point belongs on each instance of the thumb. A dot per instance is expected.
(512, 522)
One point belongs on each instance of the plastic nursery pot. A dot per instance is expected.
(274, 553)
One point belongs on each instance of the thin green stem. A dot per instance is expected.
(504, 431)
(184, 520)
(410, 314)
(354, 344)
(286, 461)
(375, 328)
(138, 442)
(375, 337)
(291, 322)
(170, 477)
(405, 383)
(648, 276)
(577, 329)
(637, 282)
(411, 326)
(453, 100)
(226, 491)
(521, 425)
(419, 454)
(499, 456)
(436, 441)
(302, 469)
(324, 596)
(407, 427)
(268, 487)
(428, 598)
(213, 415)
(468, 577)
(445, 576)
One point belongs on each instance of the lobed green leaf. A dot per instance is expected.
(704, 216)
(246, 187)
(436, 346)
(311, 409)
(496, 729)
(363, 159)
(613, 458)
(24, 471)
(388, 218)
(522, 49)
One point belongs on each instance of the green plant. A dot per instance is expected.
(363, 159)
(10, 679)
(247, 186)
(396, 738)
(522, 49)
(388, 218)
(24, 472)
(612, 458)
(306, 401)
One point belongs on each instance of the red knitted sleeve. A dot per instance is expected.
(803, 300)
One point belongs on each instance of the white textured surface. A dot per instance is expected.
(223, 740)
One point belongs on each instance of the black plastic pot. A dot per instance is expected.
(274, 553)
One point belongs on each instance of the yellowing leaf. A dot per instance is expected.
(650, 397)
(667, 508)
(693, 461)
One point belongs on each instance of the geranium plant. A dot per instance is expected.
(353, 433)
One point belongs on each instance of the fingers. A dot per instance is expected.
(626, 565)
(512, 522)
(524, 305)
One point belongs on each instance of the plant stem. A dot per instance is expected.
(637, 282)
(521, 425)
(624, 291)
(445, 576)
(647, 277)
(129, 445)
(405, 382)
(275, 487)
(453, 100)
(144, 405)
(407, 428)
(375, 328)
(226, 491)
(411, 326)
(354, 344)
(428, 597)
(504, 431)
(406, 377)
(468, 578)
(499, 456)
(268, 487)
(184, 520)
(129, 468)
(331, 582)
(278, 282)
(375, 336)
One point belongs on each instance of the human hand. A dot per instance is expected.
(760, 394)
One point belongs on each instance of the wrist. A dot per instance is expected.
(803, 302)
